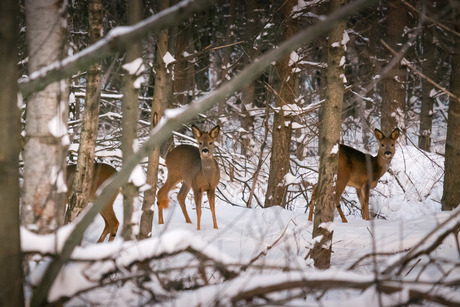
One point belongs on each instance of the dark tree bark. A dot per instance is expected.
(248, 94)
(46, 121)
(86, 151)
(329, 145)
(184, 69)
(130, 109)
(162, 90)
(429, 70)
(282, 128)
(451, 193)
(11, 293)
(394, 83)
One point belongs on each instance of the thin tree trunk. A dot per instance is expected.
(46, 121)
(282, 128)
(428, 69)
(451, 194)
(11, 293)
(394, 83)
(184, 72)
(248, 94)
(86, 151)
(130, 108)
(329, 144)
(163, 85)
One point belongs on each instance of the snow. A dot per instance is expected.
(168, 59)
(293, 58)
(173, 113)
(273, 242)
(329, 226)
(335, 149)
(135, 67)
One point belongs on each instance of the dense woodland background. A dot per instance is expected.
(396, 65)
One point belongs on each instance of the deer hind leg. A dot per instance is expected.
(340, 187)
(212, 198)
(198, 194)
(111, 222)
(105, 232)
(312, 203)
(181, 198)
(162, 197)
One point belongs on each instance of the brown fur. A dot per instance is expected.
(361, 171)
(102, 172)
(197, 169)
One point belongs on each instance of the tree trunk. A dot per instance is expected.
(46, 121)
(163, 85)
(329, 146)
(184, 71)
(248, 94)
(226, 52)
(394, 83)
(451, 194)
(86, 151)
(130, 109)
(428, 69)
(282, 128)
(10, 133)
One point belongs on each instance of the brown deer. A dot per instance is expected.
(361, 171)
(197, 169)
(102, 172)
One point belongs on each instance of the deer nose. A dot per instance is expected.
(388, 153)
(205, 150)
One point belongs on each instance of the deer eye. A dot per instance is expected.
(201, 143)
(210, 143)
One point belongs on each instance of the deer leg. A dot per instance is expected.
(312, 203)
(364, 200)
(212, 197)
(105, 232)
(111, 221)
(164, 190)
(198, 194)
(340, 187)
(162, 197)
(181, 198)
(160, 215)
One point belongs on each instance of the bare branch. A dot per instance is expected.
(116, 40)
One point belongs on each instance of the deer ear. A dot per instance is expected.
(214, 132)
(395, 134)
(378, 134)
(196, 132)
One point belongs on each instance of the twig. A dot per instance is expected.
(413, 253)
(264, 253)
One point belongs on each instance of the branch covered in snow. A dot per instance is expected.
(450, 226)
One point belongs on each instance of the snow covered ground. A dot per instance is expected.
(273, 243)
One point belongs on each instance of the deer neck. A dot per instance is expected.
(381, 165)
(208, 165)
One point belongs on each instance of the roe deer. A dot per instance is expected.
(361, 171)
(102, 172)
(197, 169)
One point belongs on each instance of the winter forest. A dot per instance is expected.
(229, 153)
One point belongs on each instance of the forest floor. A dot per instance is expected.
(276, 241)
